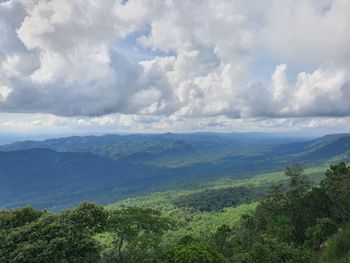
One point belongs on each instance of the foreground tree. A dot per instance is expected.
(320, 232)
(136, 234)
(45, 237)
(272, 251)
(337, 187)
(18, 217)
(298, 182)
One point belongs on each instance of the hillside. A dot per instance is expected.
(58, 173)
(205, 207)
(273, 217)
(325, 147)
(118, 146)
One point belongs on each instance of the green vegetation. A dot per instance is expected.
(194, 252)
(27, 235)
(217, 199)
(295, 221)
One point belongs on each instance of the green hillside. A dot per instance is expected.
(163, 200)
(196, 222)
(295, 216)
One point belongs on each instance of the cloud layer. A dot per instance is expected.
(175, 59)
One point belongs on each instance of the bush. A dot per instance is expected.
(271, 251)
(195, 253)
(339, 248)
(320, 232)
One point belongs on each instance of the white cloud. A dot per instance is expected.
(324, 92)
(4, 92)
(66, 58)
(308, 33)
(280, 90)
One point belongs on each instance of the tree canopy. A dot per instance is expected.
(294, 223)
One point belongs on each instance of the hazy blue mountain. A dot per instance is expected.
(325, 147)
(58, 173)
(121, 145)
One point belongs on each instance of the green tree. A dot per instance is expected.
(338, 249)
(136, 233)
(320, 232)
(298, 182)
(337, 186)
(47, 239)
(272, 251)
(195, 253)
(87, 217)
(18, 217)
(222, 239)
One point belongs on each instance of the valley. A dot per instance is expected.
(59, 173)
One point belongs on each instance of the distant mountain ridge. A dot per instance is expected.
(327, 146)
(90, 143)
(58, 173)
(84, 143)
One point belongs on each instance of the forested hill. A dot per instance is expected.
(240, 222)
(58, 173)
(156, 145)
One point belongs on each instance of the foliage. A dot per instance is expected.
(222, 239)
(136, 233)
(319, 233)
(18, 217)
(194, 253)
(294, 223)
(337, 186)
(338, 249)
(298, 182)
(217, 199)
(50, 237)
(272, 251)
(289, 218)
(88, 217)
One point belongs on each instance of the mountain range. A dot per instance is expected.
(58, 173)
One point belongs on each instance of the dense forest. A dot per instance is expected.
(295, 222)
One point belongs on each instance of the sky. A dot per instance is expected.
(98, 66)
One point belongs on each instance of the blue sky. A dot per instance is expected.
(157, 66)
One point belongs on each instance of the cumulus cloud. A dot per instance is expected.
(324, 92)
(67, 58)
(308, 33)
